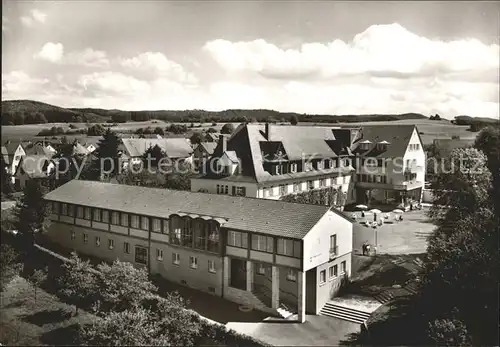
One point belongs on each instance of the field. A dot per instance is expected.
(429, 129)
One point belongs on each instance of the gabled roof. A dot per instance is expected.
(39, 149)
(34, 166)
(78, 149)
(397, 135)
(208, 146)
(264, 216)
(11, 147)
(173, 147)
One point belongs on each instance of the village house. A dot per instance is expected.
(271, 161)
(176, 149)
(12, 152)
(278, 257)
(33, 167)
(202, 152)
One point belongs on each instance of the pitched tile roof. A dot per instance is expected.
(398, 137)
(11, 146)
(209, 146)
(34, 166)
(173, 147)
(270, 217)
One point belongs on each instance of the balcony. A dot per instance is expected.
(334, 252)
(405, 185)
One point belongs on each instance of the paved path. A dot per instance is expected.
(316, 331)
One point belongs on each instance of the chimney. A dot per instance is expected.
(267, 131)
(223, 140)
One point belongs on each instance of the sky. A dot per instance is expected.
(321, 57)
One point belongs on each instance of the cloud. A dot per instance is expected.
(19, 82)
(156, 65)
(88, 57)
(35, 16)
(381, 50)
(108, 82)
(52, 52)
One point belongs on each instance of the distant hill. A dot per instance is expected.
(16, 112)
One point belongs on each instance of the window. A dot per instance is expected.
(71, 210)
(64, 209)
(134, 221)
(124, 219)
(87, 213)
(271, 191)
(330, 272)
(262, 243)
(342, 267)
(159, 254)
(145, 223)
(322, 182)
(165, 226)
(97, 215)
(222, 189)
(97, 241)
(293, 168)
(115, 218)
(346, 179)
(55, 207)
(310, 184)
(141, 255)
(237, 239)
(213, 237)
(333, 244)
(295, 187)
(335, 270)
(105, 216)
(85, 238)
(193, 262)
(175, 235)
(407, 162)
(111, 243)
(187, 235)
(156, 225)
(200, 230)
(261, 269)
(240, 191)
(322, 276)
(211, 266)
(176, 258)
(282, 189)
(290, 248)
(126, 247)
(291, 275)
(73, 235)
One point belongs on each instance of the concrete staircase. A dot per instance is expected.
(384, 297)
(344, 313)
(285, 311)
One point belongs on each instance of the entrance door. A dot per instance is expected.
(238, 273)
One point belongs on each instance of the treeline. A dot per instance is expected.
(18, 112)
(475, 123)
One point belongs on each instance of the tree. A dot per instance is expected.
(32, 211)
(211, 130)
(7, 187)
(155, 153)
(9, 264)
(488, 141)
(294, 120)
(78, 282)
(159, 131)
(196, 138)
(126, 328)
(462, 256)
(37, 278)
(106, 162)
(96, 130)
(122, 286)
(227, 128)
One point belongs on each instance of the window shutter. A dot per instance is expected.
(234, 190)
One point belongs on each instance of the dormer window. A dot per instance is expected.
(382, 145)
(365, 145)
(293, 167)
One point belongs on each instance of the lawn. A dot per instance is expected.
(46, 322)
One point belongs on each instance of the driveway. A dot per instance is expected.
(405, 237)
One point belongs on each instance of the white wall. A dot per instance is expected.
(211, 186)
(418, 155)
(317, 241)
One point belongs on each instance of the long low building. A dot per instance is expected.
(268, 254)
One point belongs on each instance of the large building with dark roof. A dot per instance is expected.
(381, 163)
(275, 256)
